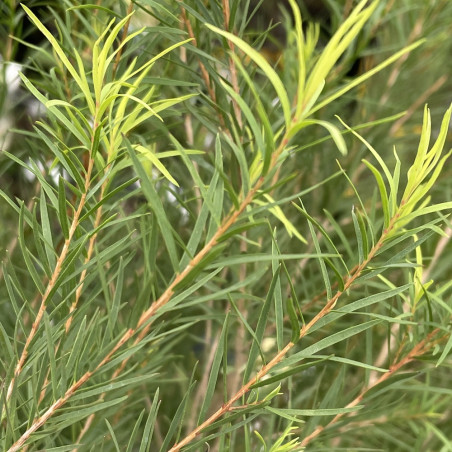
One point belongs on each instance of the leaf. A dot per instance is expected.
(259, 257)
(332, 129)
(106, 197)
(362, 78)
(155, 161)
(327, 237)
(134, 433)
(77, 413)
(363, 229)
(269, 137)
(26, 253)
(157, 206)
(263, 64)
(82, 83)
(62, 213)
(37, 235)
(76, 349)
(214, 372)
(327, 342)
(314, 412)
(244, 321)
(336, 46)
(65, 159)
(359, 237)
(446, 351)
(279, 311)
(300, 56)
(150, 424)
(241, 159)
(339, 280)
(113, 436)
(99, 59)
(279, 214)
(114, 309)
(293, 321)
(6, 344)
(260, 328)
(288, 373)
(325, 276)
(177, 419)
(51, 353)
(250, 117)
(383, 192)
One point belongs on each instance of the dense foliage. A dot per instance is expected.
(225, 225)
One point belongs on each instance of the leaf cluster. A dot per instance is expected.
(226, 240)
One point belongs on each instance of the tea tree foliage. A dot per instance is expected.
(218, 237)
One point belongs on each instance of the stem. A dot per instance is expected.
(279, 357)
(149, 313)
(89, 254)
(125, 30)
(421, 348)
(232, 68)
(303, 332)
(52, 282)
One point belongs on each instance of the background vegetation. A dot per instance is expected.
(225, 225)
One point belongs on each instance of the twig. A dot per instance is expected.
(415, 33)
(240, 357)
(389, 344)
(52, 282)
(204, 73)
(125, 31)
(144, 323)
(421, 348)
(280, 356)
(232, 67)
(420, 101)
(201, 390)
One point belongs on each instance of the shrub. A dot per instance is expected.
(216, 244)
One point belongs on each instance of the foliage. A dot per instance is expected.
(217, 239)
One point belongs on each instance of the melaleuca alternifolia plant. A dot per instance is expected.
(177, 283)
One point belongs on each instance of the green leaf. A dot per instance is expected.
(362, 78)
(279, 214)
(279, 311)
(214, 372)
(114, 309)
(293, 321)
(269, 137)
(327, 342)
(133, 435)
(113, 436)
(62, 213)
(6, 344)
(446, 351)
(359, 237)
(335, 133)
(176, 420)
(264, 65)
(383, 192)
(157, 206)
(314, 412)
(155, 161)
(76, 349)
(325, 276)
(77, 413)
(82, 83)
(283, 375)
(336, 46)
(26, 253)
(250, 117)
(260, 329)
